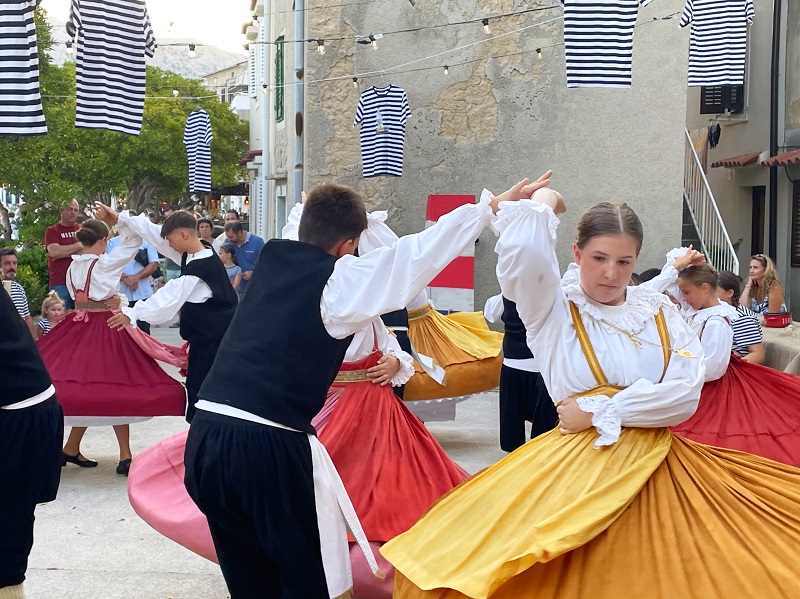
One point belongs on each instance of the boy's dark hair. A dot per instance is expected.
(200, 221)
(332, 213)
(232, 211)
(649, 274)
(178, 220)
(236, 227)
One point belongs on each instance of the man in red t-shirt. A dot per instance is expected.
(61, 244)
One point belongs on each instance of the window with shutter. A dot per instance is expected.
(279, 82)
(717, 99)
(796, 224)
(251, 73)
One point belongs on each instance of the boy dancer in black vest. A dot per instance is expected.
(249, 451)
(31, 433)
(203, 293)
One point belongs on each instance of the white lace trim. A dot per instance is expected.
(674, 254)
(571, 275)
(604, 418)
(511, 211)
(641, 305)
(406, 371)
(723, 310)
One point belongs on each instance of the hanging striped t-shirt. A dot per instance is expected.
(598, 41)
(20, 99)
(114, 36)
(718, 42)
(20, 299)
(746, 330)
(197, 138)
(383, 113)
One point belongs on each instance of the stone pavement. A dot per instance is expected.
(89, 543)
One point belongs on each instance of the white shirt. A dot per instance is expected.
(167, 301)
(363, 343)
(528, 272)
(106, 272)
(716, 337)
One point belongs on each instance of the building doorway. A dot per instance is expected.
(757, 220)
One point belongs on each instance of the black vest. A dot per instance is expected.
(208, 321)
(515, 346)
(22, 372)
(399, 318)
(277, 360)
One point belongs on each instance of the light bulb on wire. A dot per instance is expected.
(373, 41)
(321, 47)
(69, 48)
(355, 81)
(192, 51)
(255, 20)
(176, 92)
(538, 53)
(486, 28)
(264, 88)
(446, 70)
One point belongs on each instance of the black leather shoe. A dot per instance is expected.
(124, 467)
(76, 459)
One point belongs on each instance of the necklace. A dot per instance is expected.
(638, 341)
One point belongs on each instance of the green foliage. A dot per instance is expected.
(34, 288)
(90, 164)
(35, 257)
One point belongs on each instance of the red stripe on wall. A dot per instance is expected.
(459, 274)
(439, 205)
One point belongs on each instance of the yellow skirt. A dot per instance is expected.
(654, 516)
(463, 345)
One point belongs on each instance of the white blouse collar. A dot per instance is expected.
(698, 317)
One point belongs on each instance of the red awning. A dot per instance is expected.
(737, 161)
(785, 159)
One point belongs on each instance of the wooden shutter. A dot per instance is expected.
(795, 248)
(279, 81)
(252, 92)
(716, 99)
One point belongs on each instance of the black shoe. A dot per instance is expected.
(76, 459)
(124, 467)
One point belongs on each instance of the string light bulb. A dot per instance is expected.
(255, 20)
(192, 51)
(264, 88)
(176, 92)
(538, 53)
(69, 48)
(373, 41)
(486, 28)
(355, 81)
(321, 47)
(446, 70)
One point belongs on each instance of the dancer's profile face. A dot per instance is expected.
(606, 263)
(698, 296)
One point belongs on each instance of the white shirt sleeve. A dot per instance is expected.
(527, 267)
(292, 227)
(646, 404)
(150, 232)
(663, 281)
(493, 309)
(389, 345)
(717, 342)
(112, 264)
(165, 303)
(388, 278)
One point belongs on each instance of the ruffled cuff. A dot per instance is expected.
(510, 211)
(675, 253)
(604, 418)
(486, 210)
(406, 367)
(123, 300)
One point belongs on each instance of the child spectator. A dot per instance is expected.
(52, 313)
(227, 254)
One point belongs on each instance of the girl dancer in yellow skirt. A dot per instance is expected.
(611, 503)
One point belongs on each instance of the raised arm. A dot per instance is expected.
(677, 260)
(292, 226)
(151, 233)
(114, 262)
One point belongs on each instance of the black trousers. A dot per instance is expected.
(255, 485)
(30, 470)
(201, 358)
(143, 325)
(523, 397)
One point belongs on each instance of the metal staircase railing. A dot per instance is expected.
(714, 240)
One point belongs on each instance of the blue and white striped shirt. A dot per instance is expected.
(746, 330)
(383, 113)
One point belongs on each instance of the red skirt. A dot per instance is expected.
(751, 408)
(98, 371)
(392, 467)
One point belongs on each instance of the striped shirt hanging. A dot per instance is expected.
(718, 43)
(197, 137)
(383, 113)
(20, 100)
(598, 41)
(114, 36)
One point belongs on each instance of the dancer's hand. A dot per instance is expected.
(571, 419)
(384, 370)
(521, 191)
(106, 214)
(113, 302)
(119, 321)
(691, 258)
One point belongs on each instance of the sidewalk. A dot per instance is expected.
(89, 543)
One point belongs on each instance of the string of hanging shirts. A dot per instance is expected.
(197, 137)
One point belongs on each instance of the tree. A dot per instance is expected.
(92, 164)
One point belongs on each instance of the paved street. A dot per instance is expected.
(90, 544)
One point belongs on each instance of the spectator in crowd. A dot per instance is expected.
(204, 228)
(135, 280)
(8, 266)
(231, 216)
(247, 248)
(763, 293)
(61, 244)
(227, 254)
(152, 216)
(173, 270)
(52, 313)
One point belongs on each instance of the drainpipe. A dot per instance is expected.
(299, 95)
(265, 211)
(774, 105)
